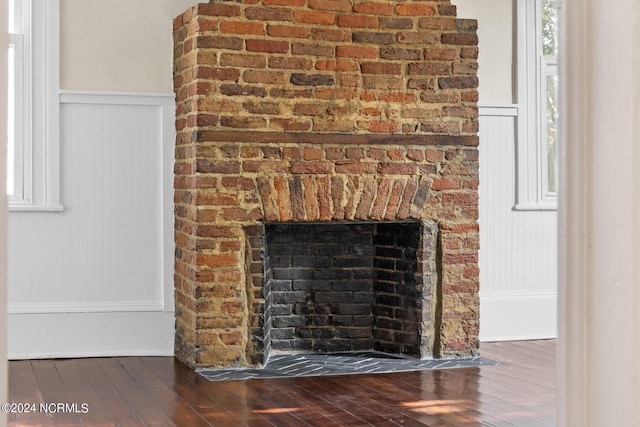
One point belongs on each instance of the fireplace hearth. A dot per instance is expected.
(326, 180)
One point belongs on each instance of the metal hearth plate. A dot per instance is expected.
(368, 362)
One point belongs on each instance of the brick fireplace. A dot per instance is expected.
(326, 179)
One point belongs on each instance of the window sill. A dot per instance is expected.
(35, 208)
(547, 205)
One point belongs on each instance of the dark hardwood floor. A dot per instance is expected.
(160, 391)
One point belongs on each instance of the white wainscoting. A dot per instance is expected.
(518, 249)
(97, 278)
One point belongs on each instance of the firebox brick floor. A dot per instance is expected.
(367, 362)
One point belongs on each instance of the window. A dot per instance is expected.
(33, 172)
(537, 103)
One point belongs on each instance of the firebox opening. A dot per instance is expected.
(336, 287)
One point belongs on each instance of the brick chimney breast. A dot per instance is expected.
(317, 111)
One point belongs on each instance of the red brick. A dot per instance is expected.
(202, 230)
(205, 23)
(355, 167)
(238, 183)
(331, 34)
(219, 42)
(269, 46)
(329, 125)
(243, 122)
(283, 2)
(398, 97)
(309, 109)
(290, 63)
(471, 96)
(429, 68)
(460, 258)
(326, 65)
(312, 167)
(240, 214)
(272, 108)
(381, 68)
(292, 153)
(397, 168)
(290, 124)
(382, 82)
(412, 9)
(469, 53)
(362, 211)
(262, 76)
(242, 27)
(319, 18)
(383, 126)
(284, 203)
(458, 82)
(371, 8)
(380, 204)
(459, 39)
(215, 73)
(421, 38)
(396, 154)
(357, 21)
(375, 112)
(447, 10)
(288, 31)
(241, 60)
(217, 9)
(435, 23)
(312, 49)
(334, 153)
(445, 184)
(440, 54)
(269, 13)
(460, 199)
(394, 200)
(313, 153)
(333, 5)
(312, 211)
(324, 199)
(350, 80)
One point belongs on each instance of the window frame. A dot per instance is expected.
(37, 165)
(532, 184)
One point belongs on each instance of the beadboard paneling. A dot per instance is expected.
(518, 255)
(111, 249)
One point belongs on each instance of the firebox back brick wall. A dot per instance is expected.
(318, 111)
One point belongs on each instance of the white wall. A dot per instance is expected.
(495, 35)
(118, 45)
(74, 276)
(518, 249)
(96, 279)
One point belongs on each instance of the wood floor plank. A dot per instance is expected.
(173, 406)
(146, 408)
(326, 410)
(116, 404)
(81, 392)
(23, 388)
(53, 391)
(177, 373)
(161, 391)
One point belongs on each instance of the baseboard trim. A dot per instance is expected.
(70, 335)
(518, 317)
